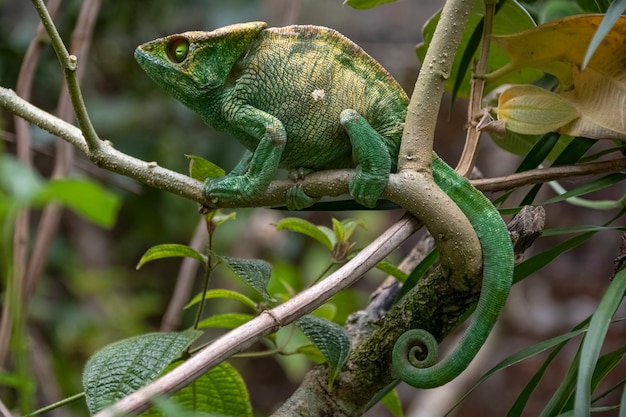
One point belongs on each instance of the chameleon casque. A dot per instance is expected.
(306, 98)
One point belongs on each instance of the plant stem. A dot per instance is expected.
(69, 64)
(64, 401)
(470, 151)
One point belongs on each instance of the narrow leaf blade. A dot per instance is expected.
(304, 227)
(592, 344)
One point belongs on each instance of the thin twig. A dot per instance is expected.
(69, 65)
(543, 175)
(470, 151)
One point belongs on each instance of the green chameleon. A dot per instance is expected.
(306, 98)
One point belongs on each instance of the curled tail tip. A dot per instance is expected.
(414, 354)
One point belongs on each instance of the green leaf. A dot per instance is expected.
(201, 169)
(365, 4)
(417, 273)
(564, 392)
(85, 197)
(521, 356)
(590, 187)
(537, 262)
(304, 227)
(331, 339)
(168, 407)
(220, 293)
(225, 321)
(391, 401)
(312, 353)
(622, 403)
(339, 230)
(326, 311)
(218, 218)
(219, 392)
(592, 344)
(254, 272)
(123, 367)
(343, 229)
(391, 269)
(20, 182)
(581, 229)
(170, 250)
(539, 152)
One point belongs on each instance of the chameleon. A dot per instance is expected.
(305, 98)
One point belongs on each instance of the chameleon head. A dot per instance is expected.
(190, 64)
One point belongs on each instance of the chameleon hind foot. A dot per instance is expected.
(372, 158)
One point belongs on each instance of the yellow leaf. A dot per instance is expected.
(590, 103)
(556, 46)
(531, 110)
(601, 101)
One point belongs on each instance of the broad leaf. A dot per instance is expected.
(201, 169)
(170, 250)
(123, 367)
(219, 392)
(17, 180)
(597, 93)
(225, 321)
(85, 197)
(326, 311)
(331, 339)
(254, 272)
(532, 110)
(298, 225)
(221, 293)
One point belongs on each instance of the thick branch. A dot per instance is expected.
(367, 373)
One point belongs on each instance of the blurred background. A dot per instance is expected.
(90, 293)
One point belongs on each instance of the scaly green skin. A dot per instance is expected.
(306, 98)
(262, 84)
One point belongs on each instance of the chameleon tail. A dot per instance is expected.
(497, 277)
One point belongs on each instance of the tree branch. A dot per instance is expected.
(368, 371)
(267, 322)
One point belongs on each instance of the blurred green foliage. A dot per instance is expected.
(90, 293)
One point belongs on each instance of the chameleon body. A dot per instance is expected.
(306, 98)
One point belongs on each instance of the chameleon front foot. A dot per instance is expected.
(229, 189)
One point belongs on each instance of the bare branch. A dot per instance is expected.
(267, 322)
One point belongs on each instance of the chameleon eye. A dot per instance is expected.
(177, 50)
